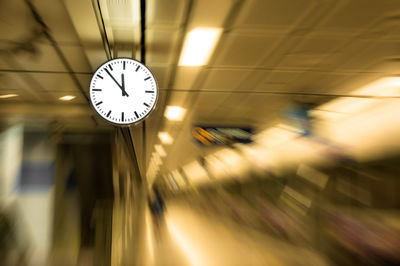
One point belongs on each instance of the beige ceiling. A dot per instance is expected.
(271, 53)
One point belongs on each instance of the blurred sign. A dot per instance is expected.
(209, 136)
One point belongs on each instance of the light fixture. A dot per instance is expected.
(165, 138)
(159, 148)
(67, 98)
(175, 113)
(157, 158)
(383, 87)
(346, 105)
(4, 96)
(199, 45)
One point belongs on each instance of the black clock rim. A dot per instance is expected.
(133, 123)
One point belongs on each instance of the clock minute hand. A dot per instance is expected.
(122, 89)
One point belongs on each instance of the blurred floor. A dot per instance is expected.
(189, 237)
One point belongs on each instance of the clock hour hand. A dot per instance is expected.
(122, 87)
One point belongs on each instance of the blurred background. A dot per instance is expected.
(274, 140)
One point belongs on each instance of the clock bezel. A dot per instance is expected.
(138, 121)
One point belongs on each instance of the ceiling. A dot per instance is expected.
(270, 54)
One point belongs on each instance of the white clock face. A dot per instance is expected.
(123, 91)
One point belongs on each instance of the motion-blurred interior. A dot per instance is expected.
(274, 140)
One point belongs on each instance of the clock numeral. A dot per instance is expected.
(108, 114)
(122, 116)
(147, 78)
(137, 68)
(145, 104)
(99, 103)
(96, 90)
(137, 116)
(110, 67)
(124, 64)
(99, 76)
(149, 91)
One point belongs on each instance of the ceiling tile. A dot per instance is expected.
(23, 83)
(55, 16)
(164, 13)
(387, 67)
(253, 79)
(270, 87)
(161, 73)
(41, 57)
(161, 46)
(284, 13)
(313, 82)
(300, 61)
(391, 28)
(84, 80)
(207, 101)
(373, 54)
(55, 81)
(281, 76)
(359, 14)
(230, 103)
(16, 22)
(224, 79)
(179, 98)
(76, 58)
(243, 50)
(319, 44)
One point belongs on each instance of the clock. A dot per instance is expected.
(123, 91)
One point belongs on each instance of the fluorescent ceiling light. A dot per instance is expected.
(165, 138)
(199, 45)
(327, 115)
(175, 113)
(67, 98)
(384, 87)
(157, 159)
(348, 105)
(159, 148)
(4, 96)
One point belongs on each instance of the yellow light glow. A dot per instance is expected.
(159, 148)
(349, 105)
(384, 87)
(199, 45)
(67, 98)
(165, 138)
(275, 136)
(157, 158)
(233, 161)
(175, 113)
(149, 235)
(195, 172)
(327, 115)
(185, 244)
(4, 96)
